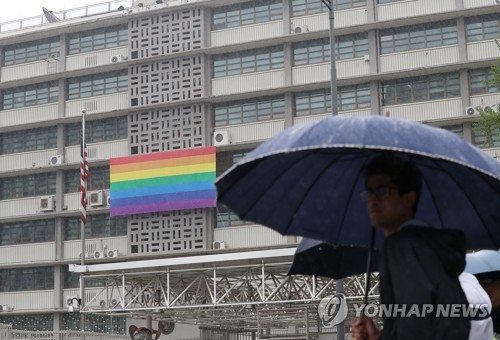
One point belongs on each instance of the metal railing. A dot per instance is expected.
(80, 12)
(64, 335)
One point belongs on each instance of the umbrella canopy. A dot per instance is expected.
(314, 257)
(484, 264)
(306, 180)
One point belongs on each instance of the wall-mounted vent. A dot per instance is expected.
(56, 160)
(47, 203)
(221, 138)
(219, 245)
(97, 199)
(118, 58)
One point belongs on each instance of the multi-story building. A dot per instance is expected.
(167, 75)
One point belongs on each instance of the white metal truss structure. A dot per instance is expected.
(243, 291)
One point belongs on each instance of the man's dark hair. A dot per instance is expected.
(402, 172)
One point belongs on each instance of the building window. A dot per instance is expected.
(30, 95)
(248, 62)
(28, 140)
(97, 84)
(28, 186)
(96, 131)
(249, 111)
(27, 232)
(482, 28)
(456, 129)
(479, 137)
(97, 226)
(318, 51)
(319, 102)
(72, 280)
(438, 86)
(418, 37)
(23, 279)
(99, 39)
(354, 97)
(247, 14)
(225, 216)
(98, 179)
(226, 160)
(482, 81)
(31, 51)
(311, 52)
(308, 7)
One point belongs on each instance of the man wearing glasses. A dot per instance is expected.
(419, 265)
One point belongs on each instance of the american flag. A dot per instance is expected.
(84, 175)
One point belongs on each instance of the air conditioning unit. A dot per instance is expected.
(221, 138)
(99, 254)
(108, 200)
(488, 109)
(301, 29)
(96, 198)
(118, 58)
(47, 203)
(87, 255)
(219, 245)
(366, 57)
(113, 253)
(56, 160)
(469, 110)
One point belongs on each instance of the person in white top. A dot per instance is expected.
(479, 328)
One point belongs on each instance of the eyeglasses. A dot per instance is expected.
(379, 193)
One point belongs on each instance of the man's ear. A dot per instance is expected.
(410, 199)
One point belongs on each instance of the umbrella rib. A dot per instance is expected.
(450, 174)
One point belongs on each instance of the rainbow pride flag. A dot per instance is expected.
(163, 181)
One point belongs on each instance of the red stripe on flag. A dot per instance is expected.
(84, 175)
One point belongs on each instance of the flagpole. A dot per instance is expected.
(84, 172)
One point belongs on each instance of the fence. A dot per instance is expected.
(5, 332)
(63, 335)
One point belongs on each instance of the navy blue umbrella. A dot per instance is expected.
(314, 257)
(306, 180)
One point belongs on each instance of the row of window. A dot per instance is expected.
(40, 278)
(30, 95)
(96, 131)
(304, 53)
(80, 42)
(96, 323)
(45, 183)
(259, 60)
(355, 97)
(478, 28)
(22, 279)
(82, 87)
(247, 14)
(391, 40)
(39, 231)
(307, 103)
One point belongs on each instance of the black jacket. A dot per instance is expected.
(420, 265)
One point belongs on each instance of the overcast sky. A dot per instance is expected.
(19, 9)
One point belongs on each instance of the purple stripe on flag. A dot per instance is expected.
(169, 197)
(163, 206)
